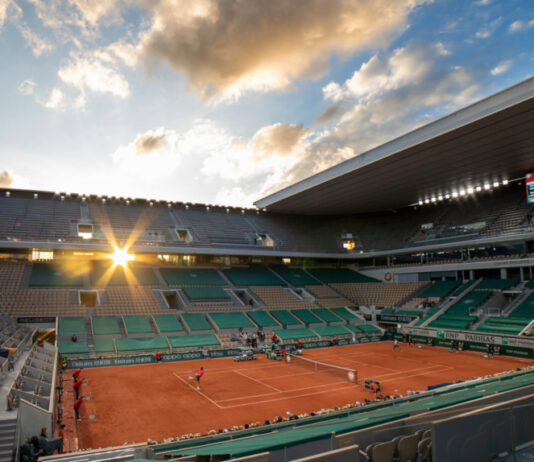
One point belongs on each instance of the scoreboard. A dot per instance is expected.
(529, 182)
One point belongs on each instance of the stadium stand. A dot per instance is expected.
(339, 275)
(235, 320)
(327, 315)
(379, 294)
(167, 322)
(285, 318)
(192, 277)
(439, 289)
(296, 277)
(253, 276)
(196, 322)
(263, 319)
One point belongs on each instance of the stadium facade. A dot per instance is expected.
(430, 234)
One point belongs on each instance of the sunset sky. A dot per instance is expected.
(226, 101)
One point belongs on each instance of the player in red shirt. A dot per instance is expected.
(77, 387)
(199, 374)
(77, 405)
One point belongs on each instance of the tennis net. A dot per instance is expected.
(343, 373)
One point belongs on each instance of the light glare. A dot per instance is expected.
(121, 257)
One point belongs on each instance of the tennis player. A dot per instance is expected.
(199, 374)
(396, 344)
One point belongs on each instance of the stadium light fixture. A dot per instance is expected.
(496, 184)
(470, 190)
(487, 186)
(454, 194)
(421, 202)
(427, 201)
(505, 182)
(447, 196)
(433, 199)
(440, 197)
(121, 257)
(478, 188)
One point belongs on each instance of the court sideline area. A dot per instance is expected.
(157, 401)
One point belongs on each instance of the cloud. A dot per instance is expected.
(10, 180)
(272, 149)
(235, 196)
(519, 26)
(55, 100)
(228, 47)
(488, 29)
(153, 141)
(99, 71)
(502, 67)
(483, 2)
(26, 87)
(158, 153)
(83, 15)
(10, 10)
(6, 179)
(3, 12)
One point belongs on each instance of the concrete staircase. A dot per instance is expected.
(8, 428)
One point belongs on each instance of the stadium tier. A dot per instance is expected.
(192, 277)
(167, 323)
(263, 319)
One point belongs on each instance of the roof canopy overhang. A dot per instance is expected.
(488, 141)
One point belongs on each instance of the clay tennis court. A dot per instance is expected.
(158, 401)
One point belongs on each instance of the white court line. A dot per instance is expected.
(258, 381)
(415, 375)
(284, 391)
(284, 397)
(198, 391)
(409, 371)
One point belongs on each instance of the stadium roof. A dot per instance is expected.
(488, 141)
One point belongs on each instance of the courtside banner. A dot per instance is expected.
(470, 337)
(529, 183)
(147, 359)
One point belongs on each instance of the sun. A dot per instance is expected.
(121, 257)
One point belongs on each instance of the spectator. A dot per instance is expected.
(157, 356)
(275, 339)
(48, 446)
(30, 450)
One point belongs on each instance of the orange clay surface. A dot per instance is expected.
(157, 401)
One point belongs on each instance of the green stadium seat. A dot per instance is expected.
(55, 275)
(326, 315)
(71, 326)
(235, 320)
(339, 275)
(196, 322)
(296, 276)
(141, 344)
(69, 348)
(206, 293)
(137, 324)
(263, 319)
(167, 323)
(285, 318)
(185, 341)
(105, 325)
(192, 277)
(253, 276)
(293, 334)
(306, 316)
(324, 331)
